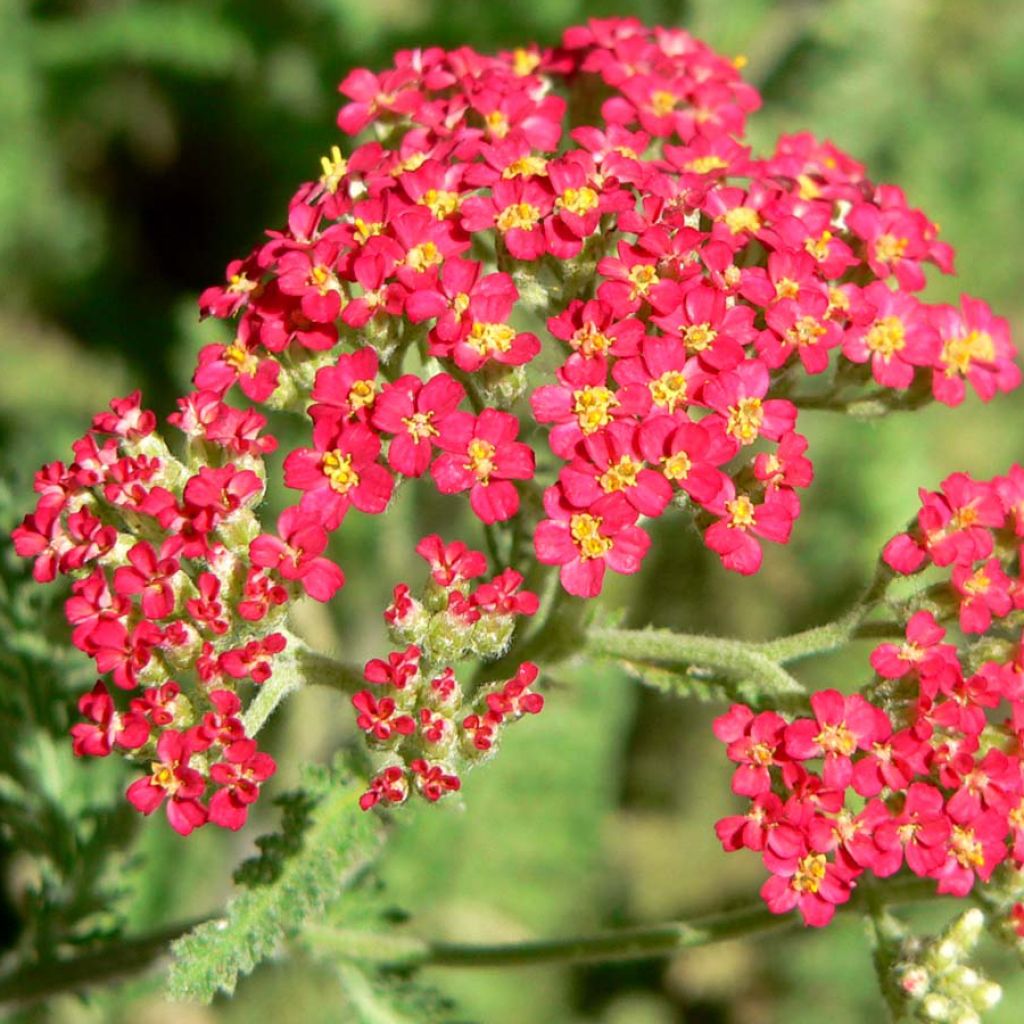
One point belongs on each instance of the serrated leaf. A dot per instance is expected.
(383, 997)
(681, 684)
(336, 848)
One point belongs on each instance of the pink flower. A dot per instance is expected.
(842, 726)
(390, 786)
(239, 776)
(106, 728)
(450, 564)
(296, 554)
(975, 347)
(149, 576)
(803, 878)
(480, 454)
(609, 462)
(732, 537)
(342, 472)
(755, 743)
(378, 718)
(172, 779)
(344, 392)
(415, 412)
(897, 340)
(584, 542)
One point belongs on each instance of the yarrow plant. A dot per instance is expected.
(557, 286)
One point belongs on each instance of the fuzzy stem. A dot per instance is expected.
(300, 666)
(130, 956)
(733, 658)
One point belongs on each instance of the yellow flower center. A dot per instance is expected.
(424, 256)
(420, 426)
(525, 167)
(481, 459)
(323, 279)
(518, 215)
(589, 341)
(806, 331)
(365, 230)
(497, 124)
(585, 530)
(460, 303)
(641, 276)
(678, 466)
(524, 62)
(964, 517)
(592, 408)
(808, 187)
(578, 200)
(966, 848)
(818, 247)
(413, 162)
(663, 102)
(959, 353)
(486, 339)
(836, 739)
(698, 337)
(334, 167)
(762, 754)
(745, 419)
(243, 361)
(669, 390)
(810, 873)
(440, 204)
(361, 394)
(886, 337)
(706, 164)
(889, 247)
(337, 467)
(620, 475)
(164, 777)
(786, 288)
(742, 218)
(1016, 816)
(741, 512)
(977, 583)
(239, 284)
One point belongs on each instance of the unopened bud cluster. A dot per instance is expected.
(936, 981)
(425, 729)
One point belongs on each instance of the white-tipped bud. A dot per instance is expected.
(987, 994)
(935, 1007)
(966, 977)
(968, 928)
(914, 979)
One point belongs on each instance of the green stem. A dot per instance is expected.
(299, 666)
(734, 659)
(624, 944)
(130, 956)
(121, 959)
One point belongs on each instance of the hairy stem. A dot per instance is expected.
(734, 659)
(127, 957)
(300, 666)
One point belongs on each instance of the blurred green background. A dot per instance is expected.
(144, 144)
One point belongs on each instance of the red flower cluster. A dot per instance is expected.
(928, 772)
(191, 598)
(419, 726)
(687, 288)
(686, 277)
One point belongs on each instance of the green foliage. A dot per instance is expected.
(378, 997)
(71, 824)
(336, 847)
(690, 683)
